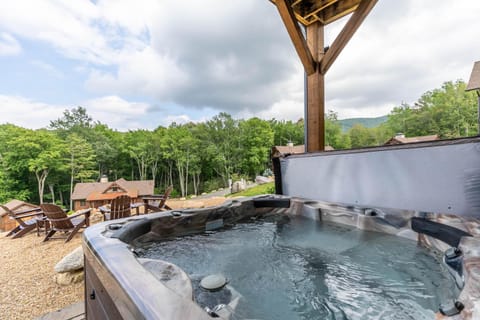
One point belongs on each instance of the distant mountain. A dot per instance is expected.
(366, 122)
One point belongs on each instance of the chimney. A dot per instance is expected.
(290, 144)
(104, 178)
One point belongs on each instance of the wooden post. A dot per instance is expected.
(313, 57)
(315, 121)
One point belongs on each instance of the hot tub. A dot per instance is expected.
(282, 258)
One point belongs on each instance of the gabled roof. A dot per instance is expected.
(282, 150)
(279, 151)
(401, 140)
(138, 187)
(117, 185)
(474, 82)
(17, 205)
(111, 195)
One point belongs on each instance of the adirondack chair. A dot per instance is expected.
(120, 207)
(157, 203)
(59, 221)
(24, 225)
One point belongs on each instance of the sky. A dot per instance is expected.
(145, 63)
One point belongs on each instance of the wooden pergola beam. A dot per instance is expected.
(299, 42)
(346, 34)
(315, 95)
(314, 15)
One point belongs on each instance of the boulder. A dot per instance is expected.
(71, 262)
(68, 278)
(96, 217)
(263, 180)
(238, 186)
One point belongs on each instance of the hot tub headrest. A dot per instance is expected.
(133, 230)
(442, 232)
(271, 203)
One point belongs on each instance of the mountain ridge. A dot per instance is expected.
(346, 124)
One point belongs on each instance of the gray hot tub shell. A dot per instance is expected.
(119, 286)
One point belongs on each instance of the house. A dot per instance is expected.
(96, 194)
(401, 139)
(279, 151)
(7, 224)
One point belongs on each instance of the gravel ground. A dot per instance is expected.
(27, 288)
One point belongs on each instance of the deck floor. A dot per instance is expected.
(75, 311)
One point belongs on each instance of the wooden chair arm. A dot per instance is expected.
(85, 212)
(27, 215)
(154, 197)
(29, 211)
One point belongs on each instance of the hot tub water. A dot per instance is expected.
(300, 269)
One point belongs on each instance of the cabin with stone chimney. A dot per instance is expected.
(96, 194)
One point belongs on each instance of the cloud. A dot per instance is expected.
(81, 30)
(282, 110)
(114, 111)
(236, 56)
(118, 113)
(9, 46)
(401, 51)
(142, 72)
(47, 68)
(180, 119)
(28, 113)
(207, 59)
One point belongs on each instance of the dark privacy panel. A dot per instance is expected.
(441, 176)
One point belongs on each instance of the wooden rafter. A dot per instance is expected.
(346, 34)
(323, 11)
(317, 7)
(299, 42)
(338, 10)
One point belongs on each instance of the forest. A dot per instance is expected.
(43, 165)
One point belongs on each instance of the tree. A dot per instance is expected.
(103, 140)
(288, 131)
(449, 111)
(14, 174)
(139, 145)
(223, 136)
(334, 136)
(361, 136)
(80, 161)
(156, 149)
(40, 151)
(75, 121)
(178, 147)
(7, 186)
(256, 140)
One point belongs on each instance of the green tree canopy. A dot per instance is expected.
(256, 138)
